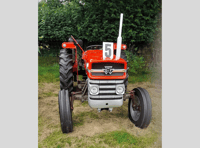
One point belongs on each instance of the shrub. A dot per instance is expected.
(97, 21)
(101, 22)
(57, 21)
(136, 64)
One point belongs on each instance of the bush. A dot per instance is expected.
(57, 21)
(136, 64)
(101, 22)
(97, 21)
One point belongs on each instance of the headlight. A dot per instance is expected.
(94, 89)
(120, 89)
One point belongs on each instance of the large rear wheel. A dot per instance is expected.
(66, 71)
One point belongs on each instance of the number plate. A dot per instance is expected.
(107, 50)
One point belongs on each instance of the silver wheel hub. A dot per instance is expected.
(135, 114)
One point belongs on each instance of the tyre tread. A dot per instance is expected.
(66, 70)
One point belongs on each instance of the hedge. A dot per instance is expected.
(97, 21)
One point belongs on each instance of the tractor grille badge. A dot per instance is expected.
(108, 70)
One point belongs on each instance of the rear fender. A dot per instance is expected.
(68, 45)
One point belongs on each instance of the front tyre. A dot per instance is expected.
(140, 110)
(65, 111)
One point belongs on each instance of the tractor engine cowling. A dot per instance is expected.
(105, 80)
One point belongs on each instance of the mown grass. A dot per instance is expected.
(120, 138)
(85, 103)
(48, 69)
(112, 139)
(125, 139)
(56, 139)
(79, 119)
(49, 94)
(40, 125)
(47, 61)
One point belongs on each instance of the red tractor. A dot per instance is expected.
(105, 77)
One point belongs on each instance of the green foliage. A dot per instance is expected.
(136, 64)
(98, 21)
(39, 50)
(138, 72)
(54, 4)
(102, 20)
(57, 21)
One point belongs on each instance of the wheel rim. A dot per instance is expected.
(135, 113)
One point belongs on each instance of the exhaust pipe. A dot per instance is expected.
(119, 39)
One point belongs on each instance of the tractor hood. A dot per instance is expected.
(97, 55)
(93, 54)
(97, 68)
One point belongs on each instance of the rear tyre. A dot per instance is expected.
(66, 71)
(65, 111)
(140, 113)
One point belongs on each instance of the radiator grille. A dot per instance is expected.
(103, 74)
(107, 89)
(101, 65)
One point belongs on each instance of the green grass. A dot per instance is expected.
(123, 138)
(79, 119)
(118, 138)
(48, 94)
(40, 125)
(139, 78)
(47, 61)
(48, 69)
(122, 112)
(85, 103)
(56, 139)
(113, 139)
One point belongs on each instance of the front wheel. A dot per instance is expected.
(65, 111)
(140, 109)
